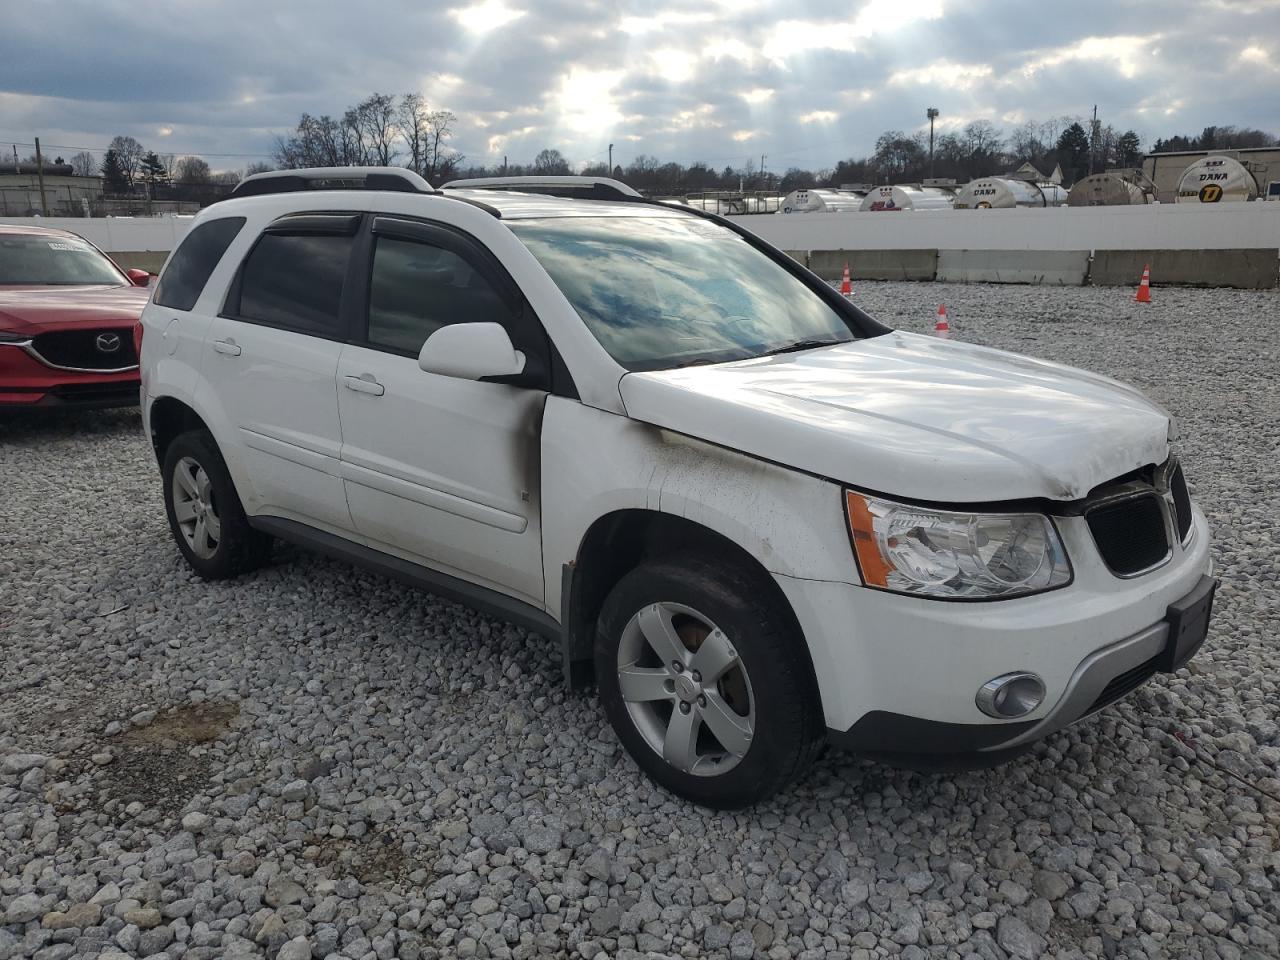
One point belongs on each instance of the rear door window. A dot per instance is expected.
(189, 268)
(295, 281)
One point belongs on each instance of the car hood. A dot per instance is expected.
(33, 310)
(911, 416)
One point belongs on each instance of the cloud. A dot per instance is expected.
(699, 79)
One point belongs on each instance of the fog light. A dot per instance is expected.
(1010, 696)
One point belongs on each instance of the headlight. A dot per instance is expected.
(13, 337)
(957, 556)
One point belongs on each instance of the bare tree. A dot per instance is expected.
(411, 121)
(440, 162)
(129, 153)
(375, 118)
(550, 162)
(258, 166)
(84, 165)
(192, 170)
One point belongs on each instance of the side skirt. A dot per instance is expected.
(442, 584)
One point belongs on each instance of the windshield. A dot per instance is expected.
(661, 292)
(38, 260)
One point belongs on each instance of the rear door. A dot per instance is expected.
(272, 358)
(441, 470)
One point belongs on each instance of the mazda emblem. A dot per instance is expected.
(108, 342)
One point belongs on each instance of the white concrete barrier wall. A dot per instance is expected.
(117, 233)
(1154, 227)
(1062, 268)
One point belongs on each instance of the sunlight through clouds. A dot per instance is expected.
(485, 16)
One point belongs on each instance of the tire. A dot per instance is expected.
(704, 753)
(225, 545)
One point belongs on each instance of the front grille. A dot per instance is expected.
(1130, 533)
(88, 349)
(1181, 502)
(1125, 684)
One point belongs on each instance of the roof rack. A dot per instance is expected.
(396, 179)
(589, 188)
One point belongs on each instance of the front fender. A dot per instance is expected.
(595, 463)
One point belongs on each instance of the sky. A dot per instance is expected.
(803, 83)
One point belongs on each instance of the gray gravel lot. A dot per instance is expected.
(316, 762)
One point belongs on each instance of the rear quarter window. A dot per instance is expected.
(189, 268)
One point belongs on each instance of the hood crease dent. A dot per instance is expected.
(910, 416)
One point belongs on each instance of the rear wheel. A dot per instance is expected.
(706, 682)
(205, 515)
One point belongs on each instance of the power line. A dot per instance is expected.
(180, 153)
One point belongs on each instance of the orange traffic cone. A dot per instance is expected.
(846, 285)
(1144, 286)
(942, 329)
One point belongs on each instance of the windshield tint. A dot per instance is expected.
(664, 292)
(30, 259)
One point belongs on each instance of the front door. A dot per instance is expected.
(441, 470)
(272, 360)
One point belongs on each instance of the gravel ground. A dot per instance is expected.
(316, 762)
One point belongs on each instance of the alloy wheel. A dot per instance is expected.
(686, 689)
(194, 508)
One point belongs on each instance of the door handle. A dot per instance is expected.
(227, 346)
(365, 383)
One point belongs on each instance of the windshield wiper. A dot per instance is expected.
(798, 345)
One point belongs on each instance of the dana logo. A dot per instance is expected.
(1212, 176)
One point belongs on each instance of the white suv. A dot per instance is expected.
(759, 519)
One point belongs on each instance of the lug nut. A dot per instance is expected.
(677, 666)
(697, 677)
(684, 707)
(702, 700)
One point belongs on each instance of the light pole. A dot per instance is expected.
(611, 159)
(932, 113)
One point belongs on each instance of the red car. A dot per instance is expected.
(67, 318)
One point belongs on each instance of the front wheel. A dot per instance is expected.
(205, 515)
(706, 682)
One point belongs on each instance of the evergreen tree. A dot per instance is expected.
(113, 175)
(1128, 148)
(153, 169)
(1073, 152)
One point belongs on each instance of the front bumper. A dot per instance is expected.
(1101, 678)
(25, 382)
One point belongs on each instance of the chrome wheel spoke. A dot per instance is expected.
(644, 684)
(200, 537)
(733, 732)
(714, 657)
(202, 486)
(185, 481)
(184, 511)
(660, 634)
(680, 747)
(213, 525)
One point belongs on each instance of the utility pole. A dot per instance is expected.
(1093, 139)
(764, 180)
(17, 167)
(611, 159)
(44, 202)
(504, 164)
(932, 114)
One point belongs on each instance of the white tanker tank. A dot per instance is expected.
(821, 201)
(1106, 190)
(1216, 180)
(906, 198)
(1003, 193)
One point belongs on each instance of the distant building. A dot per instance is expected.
(1166, 169)
(67, 195)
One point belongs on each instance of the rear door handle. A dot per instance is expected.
(227, 346)
(365, 383)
